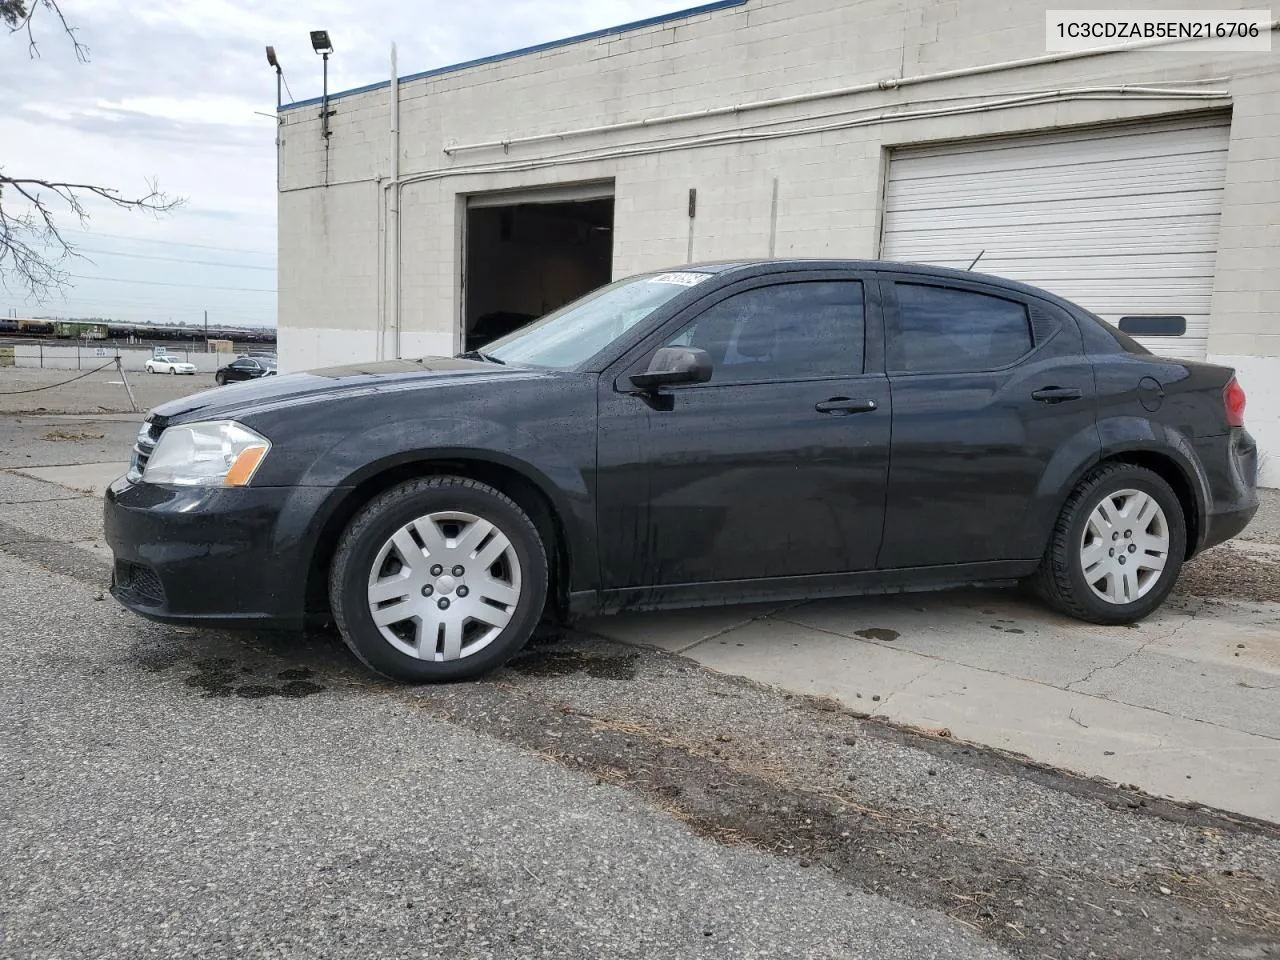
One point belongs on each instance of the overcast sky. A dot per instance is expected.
(171, 91)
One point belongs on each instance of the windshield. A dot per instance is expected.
(567, 338)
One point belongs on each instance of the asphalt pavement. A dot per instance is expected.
(86, 391)
(148, 816)
(177, 792)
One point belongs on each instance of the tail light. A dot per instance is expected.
(1233, 400)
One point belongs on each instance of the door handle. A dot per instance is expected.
(1057, 394)
(842, 406)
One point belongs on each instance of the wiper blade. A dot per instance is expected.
(477, 355)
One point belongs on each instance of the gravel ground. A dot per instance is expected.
(591, 800)
(32, 390)
(1247, 569)
(154, 808)
(1233, 571)
(1265, 526)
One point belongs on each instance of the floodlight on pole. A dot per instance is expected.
(321, 44)
(273, 62)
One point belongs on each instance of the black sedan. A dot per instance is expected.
(751, 431)
(245, 368)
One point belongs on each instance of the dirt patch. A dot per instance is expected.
(56, 436)
(1225, 572)
(543, 662)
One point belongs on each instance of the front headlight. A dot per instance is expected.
(217, 453)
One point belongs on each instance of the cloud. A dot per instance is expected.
(174, 90)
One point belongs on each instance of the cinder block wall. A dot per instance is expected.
(335, 302)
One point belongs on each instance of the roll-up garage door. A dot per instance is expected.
(1122, 220)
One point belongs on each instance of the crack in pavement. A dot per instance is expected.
(920, 676)
(715, 635)
(1140, 649)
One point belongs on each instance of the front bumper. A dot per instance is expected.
(206, 555)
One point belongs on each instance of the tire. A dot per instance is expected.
(219, 379)
(172, 371)
(150, 368)
(444, 510)
(1081, 531)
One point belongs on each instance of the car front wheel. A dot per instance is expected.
(441, 578)
(1117, 547)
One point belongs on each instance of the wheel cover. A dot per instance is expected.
(444, 586)
(1125, 546)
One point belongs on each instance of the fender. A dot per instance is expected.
(337, 470)
(1109, 438)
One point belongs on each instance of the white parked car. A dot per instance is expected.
(170, 365)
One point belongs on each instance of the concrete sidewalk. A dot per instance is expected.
(1183, 705)
(92, 478)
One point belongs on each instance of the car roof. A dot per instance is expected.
(764, 266)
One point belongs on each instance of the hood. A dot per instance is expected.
(331, 383)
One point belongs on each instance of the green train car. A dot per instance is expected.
(79, 330)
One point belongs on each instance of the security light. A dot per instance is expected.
(321, 45)
(271, 58)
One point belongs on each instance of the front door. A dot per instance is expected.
(776, 467)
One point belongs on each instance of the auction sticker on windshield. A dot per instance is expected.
(683, 279)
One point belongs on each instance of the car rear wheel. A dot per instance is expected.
(172, 371)
(220, 379)
(1117, 547)
(441, 578)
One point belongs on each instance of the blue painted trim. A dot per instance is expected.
(525, 51)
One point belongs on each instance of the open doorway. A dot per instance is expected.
(532, 254)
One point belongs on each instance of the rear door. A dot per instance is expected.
(987, 386)
(240, 370)
(776, 466)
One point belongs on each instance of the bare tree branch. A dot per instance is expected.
(32, 249)
(18, 16)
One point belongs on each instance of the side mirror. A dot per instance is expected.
(672, 365)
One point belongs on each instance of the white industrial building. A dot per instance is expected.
(1141, 183)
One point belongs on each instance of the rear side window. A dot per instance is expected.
(790, 331)
(1126, 342)
(942, 329)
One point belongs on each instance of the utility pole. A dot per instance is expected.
(206, 331)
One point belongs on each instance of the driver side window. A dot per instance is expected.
(789, 331)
